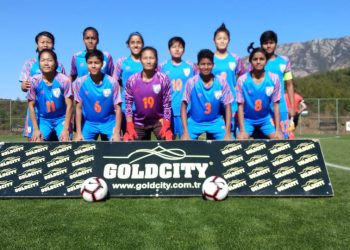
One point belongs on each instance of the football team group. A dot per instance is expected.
(135, 97)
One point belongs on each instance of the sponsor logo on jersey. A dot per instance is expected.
(33, 161)
(60, 149)
(30, 173)
(9, 161)
(26, 185)
(37, 149)
(232, 172)
(284, 171)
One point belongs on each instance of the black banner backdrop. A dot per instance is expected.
(178, 168)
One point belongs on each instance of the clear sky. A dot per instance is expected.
(157, 20)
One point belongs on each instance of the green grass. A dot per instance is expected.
(187, 223)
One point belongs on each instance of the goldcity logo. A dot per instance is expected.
(231, 148)
(256, 159)
(60, 149)
(9, 161)
(287, 184)
(236, 184)
(255, 147)
(26, 185)
(284, 171)
(260, 184)
(5, 184)
(57, 161)
(52, 185)
(232, 160)
(54, 173)
(313, 184)
(278, 147)
(80, 172)
(132, 170)
(280, 159)
(84, 148)
(7, 172)
(232, 172)
(256, 172)
(302, 147)
(29, 173)
(36, 149)
(12, 150)
(309, 171)
(33, 161)
(305, 159)
(75, 186)
(82, 159)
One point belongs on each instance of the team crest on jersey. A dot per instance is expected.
(217, 94)
(107, 92)
(232, 65)
(187, 71)
(156, 88)
(282, 67)
(56, 92)
(269, 91)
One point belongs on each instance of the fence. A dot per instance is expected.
(324, 115)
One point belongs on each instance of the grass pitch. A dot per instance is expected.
(186, 223)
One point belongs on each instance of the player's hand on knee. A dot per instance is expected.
(228, 137)
(79, 137)
(169, 135)
(278, 135)
(115, 137)
(64, 136)
(37, 136)
(130, 132)
(185, 137)
(165, 127)
(242, 136)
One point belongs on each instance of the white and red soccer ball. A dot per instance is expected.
(94, 189)
(215, 188)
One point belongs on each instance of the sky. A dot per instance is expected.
(157, 21)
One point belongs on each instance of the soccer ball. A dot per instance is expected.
(214, 188)
(94, 189)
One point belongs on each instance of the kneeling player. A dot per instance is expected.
(97, 97)
(149, 90)
(50, 93)
(256, 90)
(205, 93)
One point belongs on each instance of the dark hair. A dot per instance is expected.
(94, 30)
(95, 52)
(268, 35)
(134, 34)
(222, 28)
(176, 39)
(48, 35)
(52, 53)
(252, 51)
(205, 53)
(151, 49)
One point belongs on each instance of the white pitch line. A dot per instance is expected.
(337, 166)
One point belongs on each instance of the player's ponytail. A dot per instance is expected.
(222, 28)
(250, 47)
(251, 50)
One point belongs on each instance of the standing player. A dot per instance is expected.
(256, 91)
(299, 106)
(43, 40)
(149, 90)
(178, 72)
(227, 65)
(97, 96)
(79, 67)
(206, 94)
(51, 94)
(281, 66)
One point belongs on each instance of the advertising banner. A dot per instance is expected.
(160, 168)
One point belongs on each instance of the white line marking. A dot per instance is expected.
(337, 166)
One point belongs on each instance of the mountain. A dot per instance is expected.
(317, 55)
